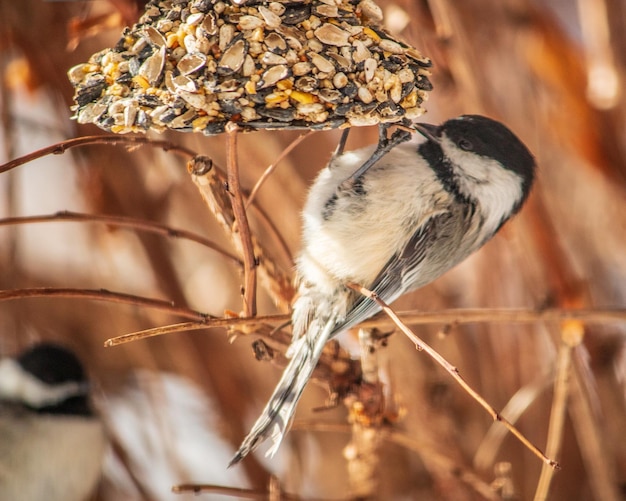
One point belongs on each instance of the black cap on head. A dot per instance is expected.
(489, 138)
(52, 364)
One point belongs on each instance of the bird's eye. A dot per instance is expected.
(466, 145)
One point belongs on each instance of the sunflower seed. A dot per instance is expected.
(306, 84)
(302, 68)
(275, 42)
(276, 113)
(198, 101)
(321, 63)
(194, 19)
(152, 67)
(277, 8)
(365, 95)
(341, 60)
(76, 74)
(210, 23)
(295, 38)
(226, 34)
(233, 57)
(183, 83)
(201, 5)
(370, 11)
(191, 63)
(184, 120)
(332, 35)
(250, 22)
(270, 58)
(369, 68)
(325, 10)
(248, 66)
(295, 13)
(130, 113)
(330, 95)
(271, 19)
(391, 46)
(154, 36)
(91, 112)
(273, 75)
(361, 52)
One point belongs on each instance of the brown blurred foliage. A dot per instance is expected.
(509, 59)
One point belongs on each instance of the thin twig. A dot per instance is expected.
(572, 333)
(276, 234)
(518, 404)
(63, 146)
(241, 219)
(273, 166)
(190, 326)
(103, 295)
(454, 372)
(123, 222)
(212, 185)
(220, 490)
(458, 316)
(590, 430)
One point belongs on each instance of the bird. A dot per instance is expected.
(52, 443)
(392, 226)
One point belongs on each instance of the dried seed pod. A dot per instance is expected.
(197, 64)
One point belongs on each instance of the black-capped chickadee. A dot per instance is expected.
(397, 226)
(51, 443)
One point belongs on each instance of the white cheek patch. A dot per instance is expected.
(496, 189)
(17, 385)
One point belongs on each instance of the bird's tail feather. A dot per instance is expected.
(276, 418)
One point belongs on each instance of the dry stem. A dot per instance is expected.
(452, 316)
(559, 403)
(63, 146)
(268, 172)
(103, 295)
(210, 181)
(123, 222)
(454, 372)
(241, 221)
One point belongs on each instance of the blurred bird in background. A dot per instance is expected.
(51, 441)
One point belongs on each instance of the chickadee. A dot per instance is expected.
(396, 226)
(51, 443)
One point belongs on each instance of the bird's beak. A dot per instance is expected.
(429, 131)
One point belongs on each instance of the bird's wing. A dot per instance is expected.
(402, 272)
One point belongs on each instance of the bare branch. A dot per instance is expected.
(241, 221)
(103, 295)
(190, 326)
(211, 182)
(123, 222)
(454, 372)
(457, 316)
(63, 146)
(572, 333)
(267, 173)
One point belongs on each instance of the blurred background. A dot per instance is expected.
(177, 406)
